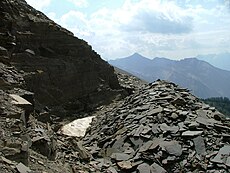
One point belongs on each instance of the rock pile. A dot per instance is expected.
(128, 81)
(160, 128)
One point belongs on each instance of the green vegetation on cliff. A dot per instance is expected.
(221, 103)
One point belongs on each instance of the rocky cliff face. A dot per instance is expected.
(61, 69)
(43, 66)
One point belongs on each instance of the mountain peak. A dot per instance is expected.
(137, 55)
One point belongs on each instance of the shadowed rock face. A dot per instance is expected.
(61, 68)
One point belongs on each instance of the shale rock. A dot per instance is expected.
(160, 128)
(61, 69)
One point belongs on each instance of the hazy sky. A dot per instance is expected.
(164, 28)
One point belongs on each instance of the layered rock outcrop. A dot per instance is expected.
(61, 69)
(44, 70)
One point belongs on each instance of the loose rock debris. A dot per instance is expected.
(160, 128)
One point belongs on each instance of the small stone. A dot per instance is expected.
(172, 147)
(155, 111)
(192, 133)
(146, 130)
(112, 170)
(120, 156)
(30, 51)
(22, 168)
(222, 155)
(193, 125)
(155, 168)
(18, 100)
(150, 145)
(6, 160)
(165, 128)
(143, 168)
(199, 145)
(125, 165)
(174, 116)
(138, 131)
(136, 141)
(145, 146)
(228, 162)
(182, 126)
(155, 129)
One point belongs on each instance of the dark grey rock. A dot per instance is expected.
(120, 156)
(155, 168)
(199, 145)
(144, 168)
(22, 168)
(222, 155)
(172, 147)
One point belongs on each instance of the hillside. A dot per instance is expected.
(62, 70)
(221, 60)
(48, 78)
(220, 103)
(203, 79)
(47, 75)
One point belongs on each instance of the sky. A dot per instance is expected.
(173, 29)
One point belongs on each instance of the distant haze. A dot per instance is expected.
(221, 60)
(203, 79)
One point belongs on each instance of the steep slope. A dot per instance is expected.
(203, 79)
(62, 69)
(221, 60)
(64, 73)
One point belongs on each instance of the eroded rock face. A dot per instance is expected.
(62, 69)
(43, 66)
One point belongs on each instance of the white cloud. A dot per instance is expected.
(153, 28)
(76, 22)
(39, 5)
(52, 16)
(79, 3)
(155, 16)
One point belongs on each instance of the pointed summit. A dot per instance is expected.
(137, 55)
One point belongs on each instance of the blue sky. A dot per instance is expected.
(154, 28)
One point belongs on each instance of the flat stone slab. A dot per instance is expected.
(223, 155)
(172, 147)
(144, 168)
(22, 168)
(192, 133)
(77, 127)
(155, 168)
(18, 100)
(120, 156)
(199, 145)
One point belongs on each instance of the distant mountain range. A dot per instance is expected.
(202, 78)
(221, 60)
